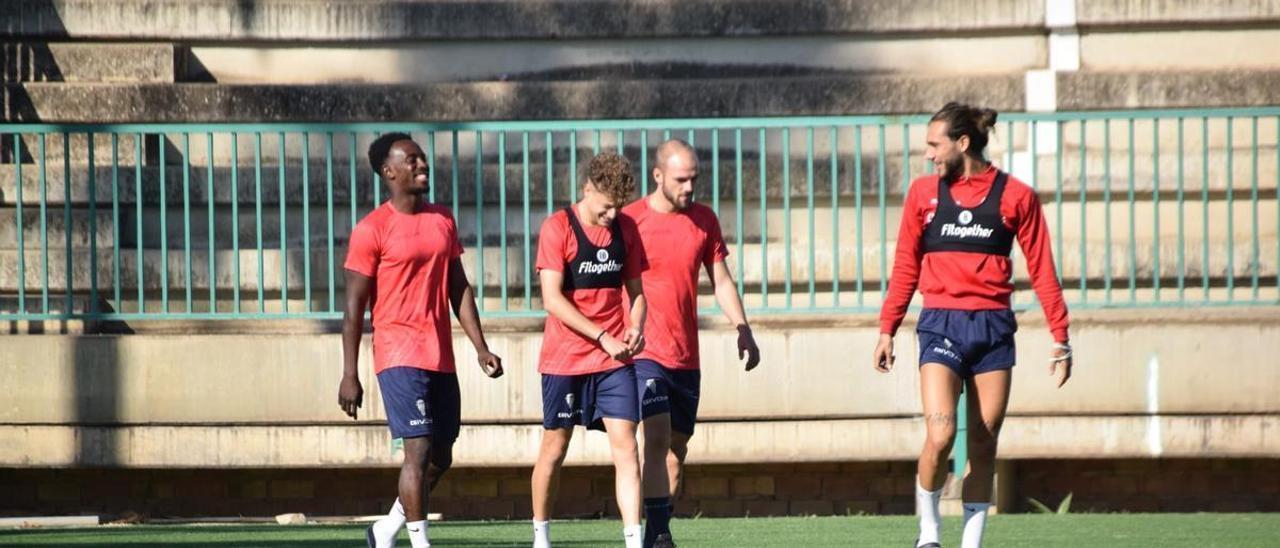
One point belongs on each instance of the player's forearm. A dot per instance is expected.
(561, 309)
(469, 318)
(639, 311)
(352, 332)
(730, 302)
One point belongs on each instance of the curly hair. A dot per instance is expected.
(611, 174)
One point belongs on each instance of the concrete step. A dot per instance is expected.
(39, 61)
(193, 103)
(359, 21)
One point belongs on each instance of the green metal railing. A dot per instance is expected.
(249, 221)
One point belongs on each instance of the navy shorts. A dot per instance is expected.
(570, 400)
(421, 403)
(970, 342)
(665, 390)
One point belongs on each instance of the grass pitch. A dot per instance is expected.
(1040, 531)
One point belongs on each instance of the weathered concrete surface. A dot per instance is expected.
(1167, 89)
(85, 62)
(507, 100)
(784, 441)
(813, 367)
(354, 20)
(1091, 13)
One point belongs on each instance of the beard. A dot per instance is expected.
(952, 169)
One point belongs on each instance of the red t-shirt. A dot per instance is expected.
(407, 256)
(564, 351)
(972, 281)
(676, 244)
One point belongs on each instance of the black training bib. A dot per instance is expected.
(976, 230)
(594, 267)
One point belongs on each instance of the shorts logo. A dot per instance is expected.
(966, 217)
(946, 353)
(568, 400)
(602, 255)
(422, 408)
(651, 385)
(947, 342)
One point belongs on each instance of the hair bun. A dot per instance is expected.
(985, 118)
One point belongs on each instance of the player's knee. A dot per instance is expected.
(440, 463)
(679, 448)
(939, 440)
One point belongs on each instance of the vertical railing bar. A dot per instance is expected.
(235, 225)
(1060, 252)
(453, 160)
(1182, 200)
(764, 218)
(21, 226)
(1155, 209)
(161, 138)
(738, 209)
(860, 244)
(809, 203)
(306, 219)
(502, 215)
(257, 214)
(479, 188)
(186, 214)
(69, 273)
(1253, 205)
(137, 200)
(1133, 219)
(93, 226)
(1231, 221)
(833, 137)
(551, 177)
(786, 212)
(715, 175)
(644, 162)
(1084, 218)
(328, 164)
(573, 167)
(431, 166)
(528, 259)
(884, 223)
(1204, 205)
(351, 176)
(284, 249)
(115, 220)
(210, 202)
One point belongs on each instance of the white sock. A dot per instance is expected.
(927, 508)
(386, 529)
(975, 520)
(418, 534)
(541, 534)
(633, 535)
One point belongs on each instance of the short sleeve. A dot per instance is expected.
(363, 251)
(551, 244)
(715, 250)
(637, 262)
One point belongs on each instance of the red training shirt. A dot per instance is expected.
(676, 244)
(407, 256)
(565, 351)
(971, 281)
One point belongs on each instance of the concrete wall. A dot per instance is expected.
(1141, 388)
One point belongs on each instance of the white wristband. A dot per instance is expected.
(1061, 346)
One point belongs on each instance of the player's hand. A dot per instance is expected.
(490, 363)
(634, 339)
(350, 395)
(615, 348)
(1060, 363)
(882, 357)
(747, 347)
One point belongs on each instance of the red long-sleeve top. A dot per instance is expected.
(960, 280)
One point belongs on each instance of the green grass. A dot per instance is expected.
(1109, 530)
